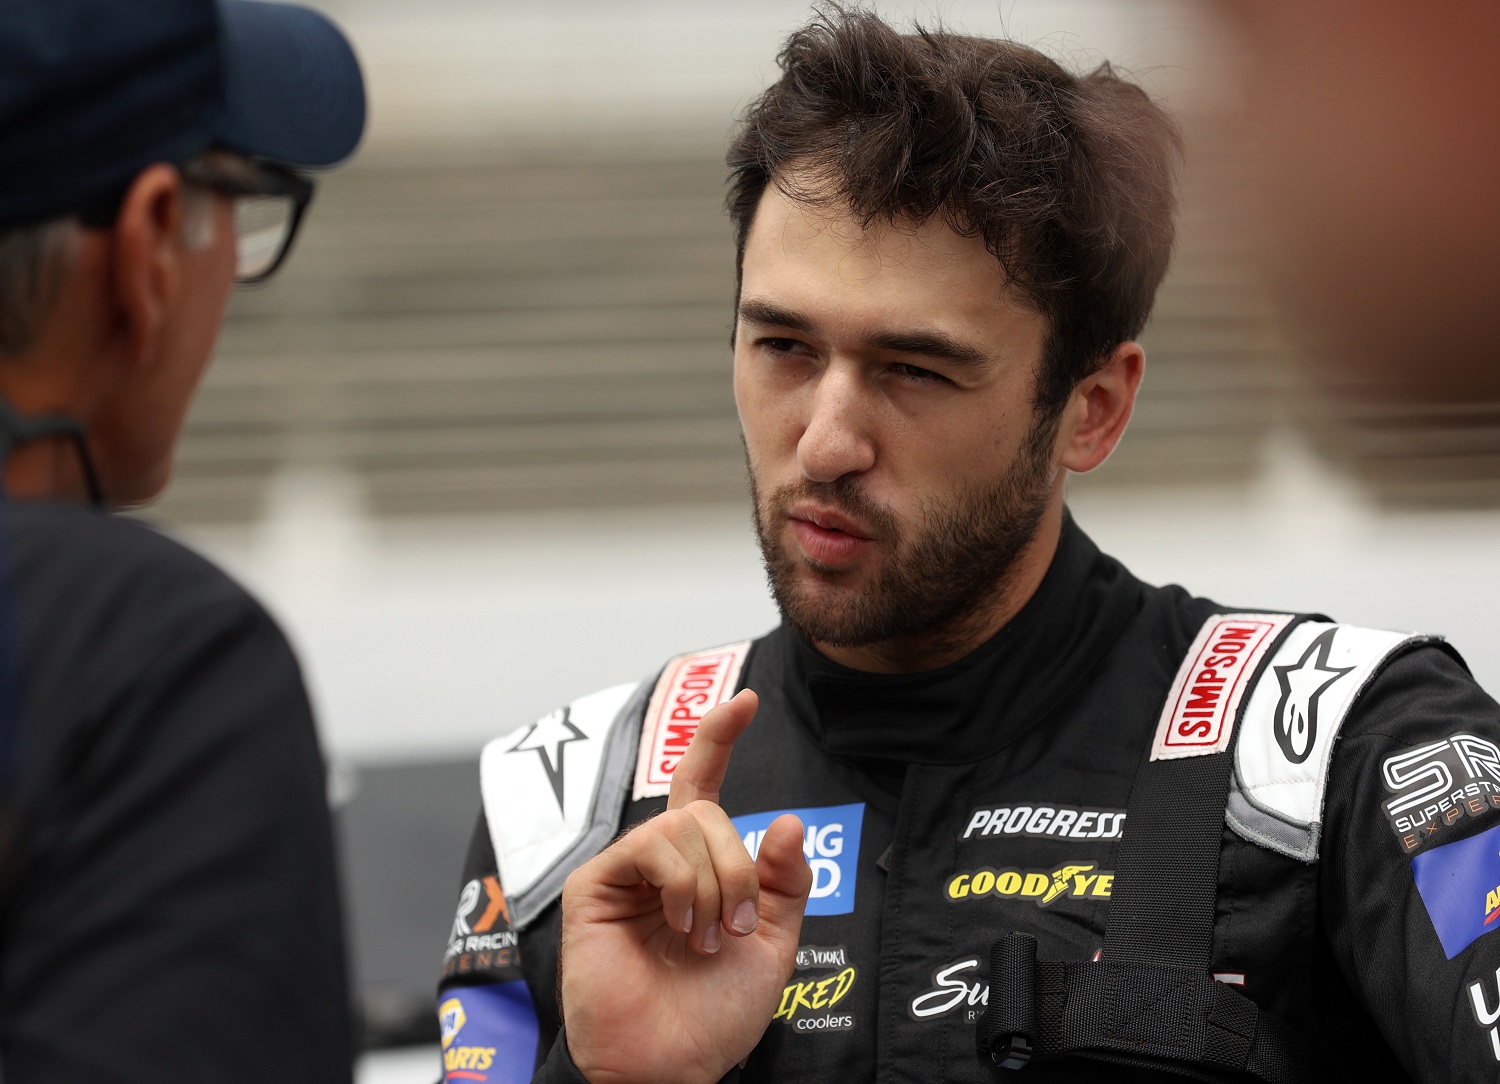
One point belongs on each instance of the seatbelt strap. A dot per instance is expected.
(1149, 1001)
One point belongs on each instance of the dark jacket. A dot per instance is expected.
(946, 809)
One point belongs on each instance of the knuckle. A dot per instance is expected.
(672, 823)
(704, 810)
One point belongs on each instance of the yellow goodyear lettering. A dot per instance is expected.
(1076, 881)
(814, 994)
(1060, 881)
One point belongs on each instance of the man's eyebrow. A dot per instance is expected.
(756, 311)
(926, 344)
(929, 344)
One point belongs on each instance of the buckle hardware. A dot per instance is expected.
(1014, 1054)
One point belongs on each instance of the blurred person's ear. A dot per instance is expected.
(1096, 414)
(147, 264)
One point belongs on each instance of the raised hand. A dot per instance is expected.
(675, 945)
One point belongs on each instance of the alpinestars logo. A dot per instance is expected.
(1302, 683)
(1438, 784)
(546, 738)
(1483, 1014)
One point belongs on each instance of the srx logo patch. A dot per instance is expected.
(1439, 784)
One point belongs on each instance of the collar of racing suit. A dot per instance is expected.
(974, 707)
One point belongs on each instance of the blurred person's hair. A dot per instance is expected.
(1069, 180)
(35, 258)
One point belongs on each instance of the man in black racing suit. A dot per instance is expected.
(964, 697)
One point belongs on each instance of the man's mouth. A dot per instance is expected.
(827, 537)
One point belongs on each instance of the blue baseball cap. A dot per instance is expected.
(93, 91)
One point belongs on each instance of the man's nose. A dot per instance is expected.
(836, 439)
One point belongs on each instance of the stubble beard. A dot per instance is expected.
(938, 577)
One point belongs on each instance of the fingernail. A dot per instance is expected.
(687, 921)
(745, 919)
(711, 938)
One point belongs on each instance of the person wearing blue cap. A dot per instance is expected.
(168, 900)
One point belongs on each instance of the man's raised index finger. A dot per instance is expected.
(700, 772)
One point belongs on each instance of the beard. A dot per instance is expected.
(939, 575)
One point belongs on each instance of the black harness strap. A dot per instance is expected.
(1150, 1000)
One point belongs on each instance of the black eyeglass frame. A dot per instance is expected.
(266, 179)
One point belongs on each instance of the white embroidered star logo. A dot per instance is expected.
(546, 739)
(1302, 683)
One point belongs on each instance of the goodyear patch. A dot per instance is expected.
(1076, 880)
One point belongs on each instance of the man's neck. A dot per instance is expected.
(50, 467)
(934, 650)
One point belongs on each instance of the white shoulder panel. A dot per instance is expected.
(550, 788)
(1290, 725)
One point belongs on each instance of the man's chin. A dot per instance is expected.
(822, 607)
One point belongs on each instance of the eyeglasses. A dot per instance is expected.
(270, 202)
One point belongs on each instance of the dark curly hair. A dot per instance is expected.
(1068, 179)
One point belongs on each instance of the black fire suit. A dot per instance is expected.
(945, 809)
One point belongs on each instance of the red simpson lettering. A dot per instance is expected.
(694, 694)
(1194, 720)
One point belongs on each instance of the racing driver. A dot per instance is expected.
(1002, 805)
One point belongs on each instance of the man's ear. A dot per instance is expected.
(1099, 409)
(147, 259)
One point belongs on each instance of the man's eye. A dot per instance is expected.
(918, 375)
(779, 346)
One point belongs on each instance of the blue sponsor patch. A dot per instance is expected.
(1460, 886)
(831, 845)
(489, 1034)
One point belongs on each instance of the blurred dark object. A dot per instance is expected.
(1377, 127)
(403, 833)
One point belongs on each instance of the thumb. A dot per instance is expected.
(785, 880)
